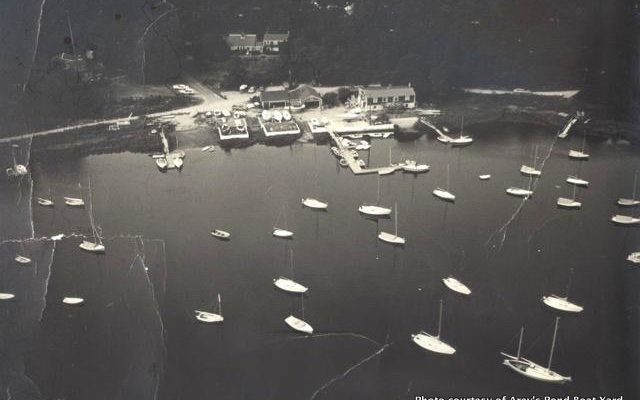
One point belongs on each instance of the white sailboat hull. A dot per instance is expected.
(484, 177)
(7, 296)
(461, 141)
(289, 285)
(529, 171)
(578, 155)
(568, 203)
(628, 202)
(298, 325)
(625, 220)
(457, 286)
(375, 211)
(208, 317)
(444, 195)
(391, 238)
(562, 304)
(282, 233)
(92, 247)
(518, 192)
(432, 343)
(314, 203)
(73, 301)
(386, 171)
(534, 371)
(577, 181)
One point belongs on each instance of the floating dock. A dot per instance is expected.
(352, 163)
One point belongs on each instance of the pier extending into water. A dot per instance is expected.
(352, 162)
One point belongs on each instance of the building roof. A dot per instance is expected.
(241, 39)
(389, 91)
(276, 36)
(302, 93)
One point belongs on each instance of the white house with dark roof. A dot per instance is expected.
(378, 97)
(273, 41)
(244, 42)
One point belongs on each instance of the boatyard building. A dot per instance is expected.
(380, 97)
(304, 96)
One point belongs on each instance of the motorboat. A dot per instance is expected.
(519, 192)
(22, 260)
(393, 238)
(220, 234)
(314, 203)
(298, 325)
(561, 303)
(625, 220)
(44, 202)
(73, 301)
(73, 202)
(577, 181)
(288, 285)
(455, 285)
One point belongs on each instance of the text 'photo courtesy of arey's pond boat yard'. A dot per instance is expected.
(225, 213)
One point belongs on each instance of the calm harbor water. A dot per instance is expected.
(136, 336)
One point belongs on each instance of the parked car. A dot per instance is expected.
(252, 89)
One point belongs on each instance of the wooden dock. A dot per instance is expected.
(352, 162)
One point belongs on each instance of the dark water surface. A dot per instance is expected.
(136, 336)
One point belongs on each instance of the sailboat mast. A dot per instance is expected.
(378, 195)
(462, 127)
(447, 177)
(635, 183)
(440, 319)
(569, 284)
(302, 304)
(520, 342)
(396, 218)
(219, 305)
(553, 343)
(574, 192)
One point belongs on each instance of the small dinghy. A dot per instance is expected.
(444, 195)
(568, 203)
(561, 303)
(625, 220)
(220, 234)
(485, 177)
(208, 148)
(634, 257)
(44, 202)
(315, 204)
(73, 301)
(73, 202)
(457, 286)
(298, 325)
(393, 238)
(162, 163)
(530, 171)
(286, 115)
(335, 151)
(289, 285)
(209, 317)
(92, 247)
(519, 192)
(531, 369)
(343, 162)
(577, 181)
(282, 233)
(7, 296)
(178, 162)
(578, 155)
(433, 342)
(413, 167)
(22, 260)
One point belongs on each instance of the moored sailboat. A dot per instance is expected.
(375, 210)
(299, 324)
(632, 202)
(392, 238)
(455, 285)
(444, 194)
(209, 317)
(95, 246)
(433, 342)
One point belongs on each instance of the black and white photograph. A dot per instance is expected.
(319, 200)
